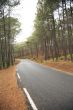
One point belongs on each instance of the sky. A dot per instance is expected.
(25, 12)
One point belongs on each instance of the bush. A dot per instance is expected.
(68, 57)
(61, 58)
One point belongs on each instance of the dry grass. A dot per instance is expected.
(11, 97)
(17, 61)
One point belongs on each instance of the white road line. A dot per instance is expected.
(68, 73)
(18, 75)
(53, 68)
(30, 99)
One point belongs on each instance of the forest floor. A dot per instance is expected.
(11, 97)
(66, 66)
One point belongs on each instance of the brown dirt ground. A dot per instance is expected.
(62, 65)
(11, 97)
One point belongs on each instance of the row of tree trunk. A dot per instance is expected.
(55, 38)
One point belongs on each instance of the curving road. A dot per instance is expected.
(49, 89)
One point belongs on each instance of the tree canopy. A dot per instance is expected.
(53, 31)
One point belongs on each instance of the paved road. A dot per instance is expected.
(49, 89)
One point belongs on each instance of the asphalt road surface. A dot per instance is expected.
(49, 89)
